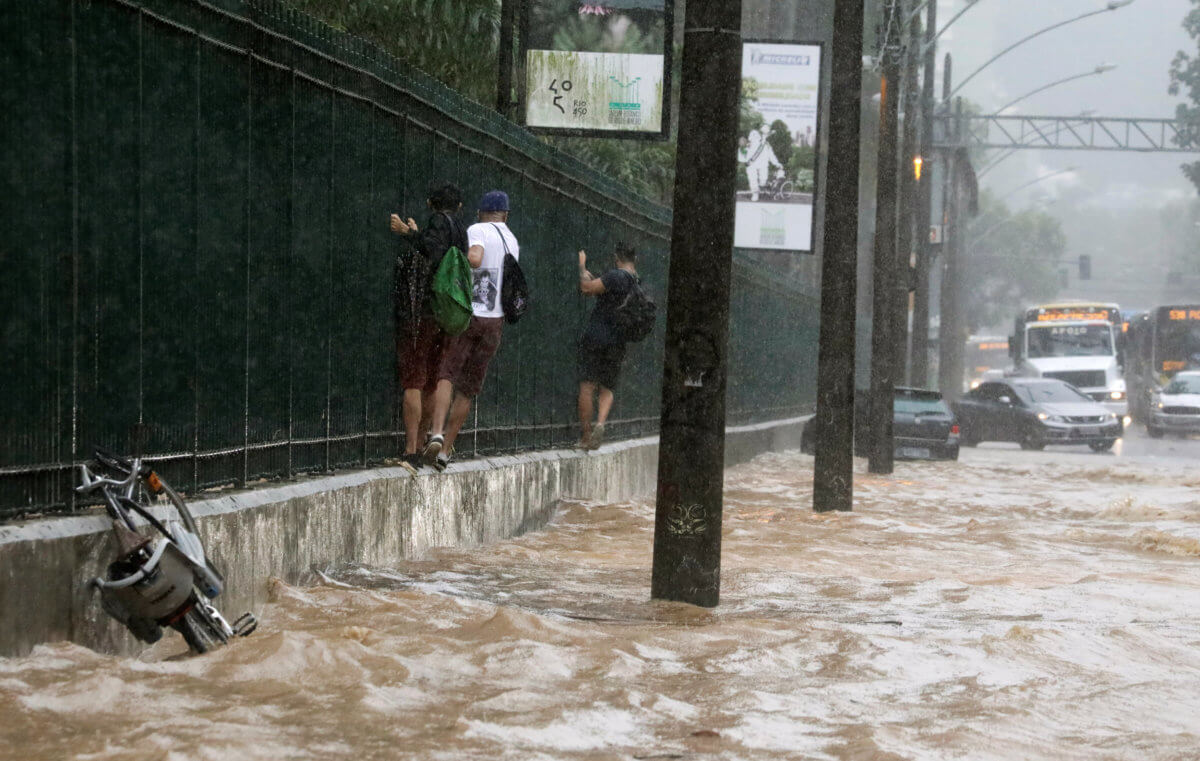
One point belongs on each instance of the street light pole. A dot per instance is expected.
(975, 222)
(691, 454)
(1035, 181)
(919, 355)
(883, 338)
(1111, 6)
(930, 47)
(910, 162)
(1101, 69)
(950, 335)
(833, 468)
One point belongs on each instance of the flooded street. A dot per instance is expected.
(1015, 605)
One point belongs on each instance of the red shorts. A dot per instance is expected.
(419, 351)
(466, 356)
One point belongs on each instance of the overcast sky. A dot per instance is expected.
(1141, 39)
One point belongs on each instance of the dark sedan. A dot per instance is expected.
(1035, 412)
(923, 427)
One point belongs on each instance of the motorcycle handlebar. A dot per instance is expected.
(92, 481)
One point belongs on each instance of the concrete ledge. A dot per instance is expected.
(373, 516)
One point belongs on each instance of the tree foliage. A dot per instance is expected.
(455, 41)
(1185, 80)
(1012, 259)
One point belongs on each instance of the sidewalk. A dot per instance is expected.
(373, 516)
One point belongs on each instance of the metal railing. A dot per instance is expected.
(199, 271)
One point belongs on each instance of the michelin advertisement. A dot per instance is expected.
(777, 146)
(597, 67)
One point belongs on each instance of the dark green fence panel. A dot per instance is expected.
(199, 270)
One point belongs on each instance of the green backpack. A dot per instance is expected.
(451, 289)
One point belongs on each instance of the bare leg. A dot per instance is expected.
(606, 403)
(586, 391)
(427, 401)
(458, 416)
(412, 419)
(441, 405)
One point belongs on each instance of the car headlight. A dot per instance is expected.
(1051, 418)
(1117, 395)
(1160, 405)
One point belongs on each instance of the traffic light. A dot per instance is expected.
(1085, 267)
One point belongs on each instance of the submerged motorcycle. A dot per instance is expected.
(162, 577)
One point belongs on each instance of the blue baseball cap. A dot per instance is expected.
(494, 200)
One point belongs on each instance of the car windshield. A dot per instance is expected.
(915, 405)
(1042, 393)
(1069, 341)
(1187, 384)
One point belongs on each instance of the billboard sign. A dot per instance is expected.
(598, 68)
(778, 146)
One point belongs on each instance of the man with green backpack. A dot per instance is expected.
(493, 252)
(432, 293)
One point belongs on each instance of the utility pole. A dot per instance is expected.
(504, 79)
(908, 196)
(833, 470)
(950, 337)
(919, 361)
(691, 459)
(883, 318)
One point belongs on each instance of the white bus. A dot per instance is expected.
(1078, 342)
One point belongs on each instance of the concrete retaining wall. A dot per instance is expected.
(374, 517)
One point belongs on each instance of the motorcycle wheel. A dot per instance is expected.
(199, 630)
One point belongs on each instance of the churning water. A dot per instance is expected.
(1013, 606)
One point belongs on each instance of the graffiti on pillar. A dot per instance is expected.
(697, 359)
(687, 520)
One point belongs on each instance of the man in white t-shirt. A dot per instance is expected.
(759, 159)
(466, 356)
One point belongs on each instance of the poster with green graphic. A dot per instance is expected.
(598, 67)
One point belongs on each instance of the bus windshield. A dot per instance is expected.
(984, 355)
(1069, 341)
(1178, 346)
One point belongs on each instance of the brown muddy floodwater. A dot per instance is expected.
(1013, 606)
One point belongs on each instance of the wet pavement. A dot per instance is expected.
(1014, 605)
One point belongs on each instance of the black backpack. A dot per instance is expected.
(635, 315)
(514, 291)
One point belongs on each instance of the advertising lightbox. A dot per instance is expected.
(598, 68)
(778, 145)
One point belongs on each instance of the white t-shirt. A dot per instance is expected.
(487, 278)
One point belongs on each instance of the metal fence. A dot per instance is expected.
(197, 267)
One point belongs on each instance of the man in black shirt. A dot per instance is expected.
(602, 347)
(420, 341)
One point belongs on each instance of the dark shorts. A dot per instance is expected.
(419, 350)
(466, 358)
(600, 363)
